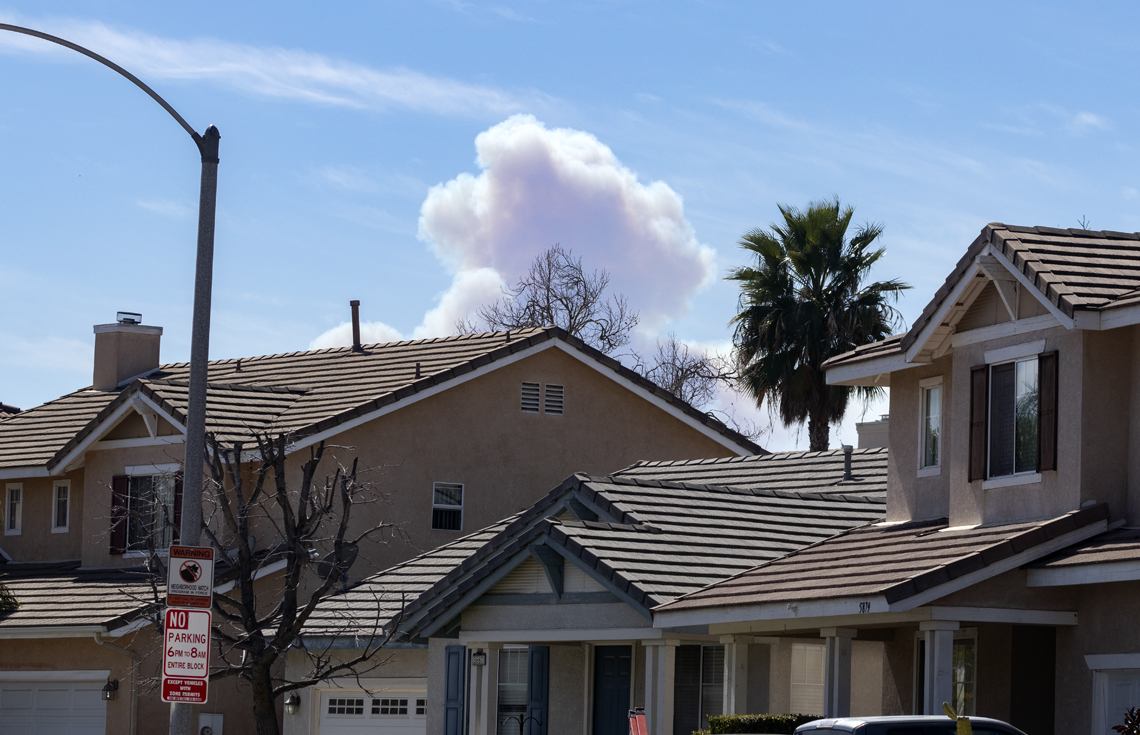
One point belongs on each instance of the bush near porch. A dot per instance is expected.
(768, 724)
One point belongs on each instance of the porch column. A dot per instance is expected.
(660, 662)
(735, 674)
(939, 672)
(837, 671)
(483, 689)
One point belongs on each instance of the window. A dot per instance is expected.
(1013, 425)
(807, 678)
(698, 686)
(346, 706)
(447, 506)
(553, 400)
(150, 511)
(13, 509)
(390, 707)
(530, 397)
(61, 509)
(930, 455)
(712, 683)
(421, 707)
(513, 667)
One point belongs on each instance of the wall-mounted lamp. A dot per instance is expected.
(109, 689)
(479, 658)
(292, 703)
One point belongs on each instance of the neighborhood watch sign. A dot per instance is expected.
(190, 577)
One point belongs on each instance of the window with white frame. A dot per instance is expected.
(1013, 418)
(930, 452)
(61, 506)
(13, 509)
(807, 678)
(513, 668)
(150, 511)
(447, 506)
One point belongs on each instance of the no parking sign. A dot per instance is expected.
(186, 656)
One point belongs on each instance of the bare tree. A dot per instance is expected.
(307, 527)
(558, 291)
(688, 373)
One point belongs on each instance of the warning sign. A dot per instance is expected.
(190, 577)
(186, 656)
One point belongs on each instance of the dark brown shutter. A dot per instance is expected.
(120, 489)
(1047, 411)
(978, 380)
(177, 507)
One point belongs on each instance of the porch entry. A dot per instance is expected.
(613, 669)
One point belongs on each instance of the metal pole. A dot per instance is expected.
(191, 530)
(181, 715)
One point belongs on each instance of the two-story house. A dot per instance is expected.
(457, 432)
(1006, 576)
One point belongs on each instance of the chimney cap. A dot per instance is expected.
(128, 317)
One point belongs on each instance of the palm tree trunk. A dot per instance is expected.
(819, 431)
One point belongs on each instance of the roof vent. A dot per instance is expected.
(356, 326)
(128, 317)
(847, 450)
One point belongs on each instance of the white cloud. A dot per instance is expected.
(166, 208)
(270, 71)
(1083, 122)
(541, 186)
(469, 290)
(370, 333)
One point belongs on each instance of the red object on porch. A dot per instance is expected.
(637, 722)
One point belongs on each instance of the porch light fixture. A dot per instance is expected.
(109, 689)
(479, 658)
(292, 704)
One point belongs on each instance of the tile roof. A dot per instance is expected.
(302, 393)
(1073, 269)
(896, 561)
(1122, 544)
(655, 538)
(61, 594)
(6, 410)
(884, 348)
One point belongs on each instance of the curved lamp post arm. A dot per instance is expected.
(198, 139)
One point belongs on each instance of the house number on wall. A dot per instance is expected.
(864, 607)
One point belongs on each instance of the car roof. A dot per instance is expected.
(850, 723)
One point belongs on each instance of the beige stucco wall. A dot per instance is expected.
(552, 617)
(37, 541)
(908, 495)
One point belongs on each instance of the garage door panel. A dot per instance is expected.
(389, 712)
(52, 708)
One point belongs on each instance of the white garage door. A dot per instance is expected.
(391, 712)
(52, 707)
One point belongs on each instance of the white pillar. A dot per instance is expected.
(837, 671)
(939, 673)
(588, 687)
(660, 662)
(735, 673)
(483, 689)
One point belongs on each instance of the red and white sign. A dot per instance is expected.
(190, 577)
(186, 656)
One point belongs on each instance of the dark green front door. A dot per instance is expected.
(612, 667)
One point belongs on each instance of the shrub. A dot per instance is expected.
(777, 724)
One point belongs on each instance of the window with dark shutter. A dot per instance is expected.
(454, 691)
(538, 691)
(120, 490)
(978, 376)
(177, 530)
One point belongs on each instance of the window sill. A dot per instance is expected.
(12, 532)
(930, 471)
(136, 554)
(59, 530)
(1011, 481)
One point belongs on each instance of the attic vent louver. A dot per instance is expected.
(530, 397)
(553, 403)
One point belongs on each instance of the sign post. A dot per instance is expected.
(190, 577)
(186, 645)
(186, 656)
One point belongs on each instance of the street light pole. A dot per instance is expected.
(191, 530)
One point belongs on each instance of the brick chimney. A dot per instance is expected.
(124, 350)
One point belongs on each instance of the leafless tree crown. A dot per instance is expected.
(558, 291)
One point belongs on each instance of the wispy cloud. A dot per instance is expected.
(166, 208)
(275, 72)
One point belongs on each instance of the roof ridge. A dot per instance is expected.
(735, 489)
(229, 386)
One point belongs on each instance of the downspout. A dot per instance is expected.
(134, 678)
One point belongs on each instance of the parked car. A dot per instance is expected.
(905, 725)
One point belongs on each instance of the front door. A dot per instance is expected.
(612, 669)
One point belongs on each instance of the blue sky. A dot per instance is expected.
(646, 136)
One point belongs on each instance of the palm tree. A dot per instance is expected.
(803, 302)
